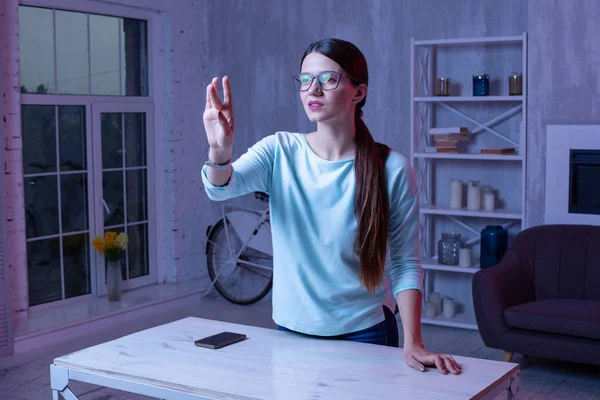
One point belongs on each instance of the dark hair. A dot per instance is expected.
(371, 204)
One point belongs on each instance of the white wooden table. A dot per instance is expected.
(163, 362)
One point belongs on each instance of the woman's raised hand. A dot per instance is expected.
(218, 117)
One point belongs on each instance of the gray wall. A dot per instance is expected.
(260, 48)
(564, 82)
(258, 44)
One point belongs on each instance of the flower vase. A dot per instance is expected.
(113, 280)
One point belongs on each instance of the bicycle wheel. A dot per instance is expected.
(241, 267)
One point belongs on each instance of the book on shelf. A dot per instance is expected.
(450, 146)
(447, 150)
(451, 136)
(448, 130)
(500, 150)
(445, 143)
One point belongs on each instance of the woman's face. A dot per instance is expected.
(329, 105)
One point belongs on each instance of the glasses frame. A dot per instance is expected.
(313, 76)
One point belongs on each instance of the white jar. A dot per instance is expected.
(449, 307)
(464, 257)
(430, 311)
(436, 299)
(455, 193)
(473, 196)
(488, 199)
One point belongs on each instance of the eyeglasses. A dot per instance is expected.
(328, 80)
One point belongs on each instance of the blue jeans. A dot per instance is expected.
(385, 333)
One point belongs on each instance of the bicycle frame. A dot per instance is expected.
(263, 219)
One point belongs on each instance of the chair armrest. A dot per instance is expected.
(497, 288)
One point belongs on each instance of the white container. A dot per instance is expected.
(455, 193)
(464, 257)
(449, 307)
(436, 299)
(430, 311)
(474, 196)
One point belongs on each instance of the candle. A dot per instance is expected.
(449, 307)
(488, 201)
(464, 257)
(430, 310)
(455, 193)
(436, 299)
(474, 196)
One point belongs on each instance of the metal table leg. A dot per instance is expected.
(513, 387)
(59, 383)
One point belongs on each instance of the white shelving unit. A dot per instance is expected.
(492, 120)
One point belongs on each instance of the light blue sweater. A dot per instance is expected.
(316, 281)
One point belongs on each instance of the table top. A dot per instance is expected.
(272, 364)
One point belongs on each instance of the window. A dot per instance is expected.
(65, 52)
(87, 118)
(55, 169)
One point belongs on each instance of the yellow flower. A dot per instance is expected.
(98, 244)
(111, 239)
(122, 240)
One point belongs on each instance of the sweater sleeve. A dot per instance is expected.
(406, 271)
(251, 172)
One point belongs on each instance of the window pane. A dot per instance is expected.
(138, 250)
(73, 192)
(39, 139)
(112, 140)
(104, 55)
(36, 48)
(76, 261)
(72, 52)
(137, 209)
(43, 271)
(135, 57)
(72, 139)
(41, 206)
(112, 190)
(135, 139)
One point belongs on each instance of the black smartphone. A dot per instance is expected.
(220, 340)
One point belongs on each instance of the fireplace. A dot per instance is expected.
(584, 181)
(572, 174)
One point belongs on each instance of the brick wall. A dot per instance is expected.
(11, 121)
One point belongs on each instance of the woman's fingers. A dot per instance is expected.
(214, 95)
(411, 361)
(452, 365)
(222, 120)
(439, 363)
(227, 97)
(447, 364)
(208, 102)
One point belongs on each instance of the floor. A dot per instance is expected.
(25, 376)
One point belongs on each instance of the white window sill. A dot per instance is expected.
(43, 325)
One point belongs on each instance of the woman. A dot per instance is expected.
(336, 202)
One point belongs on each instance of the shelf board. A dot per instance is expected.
(471, 156)
(458, 321)
(463, 212)
(467, 41)
(430, 263)
(448, 99)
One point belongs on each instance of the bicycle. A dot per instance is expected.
(239, 253)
